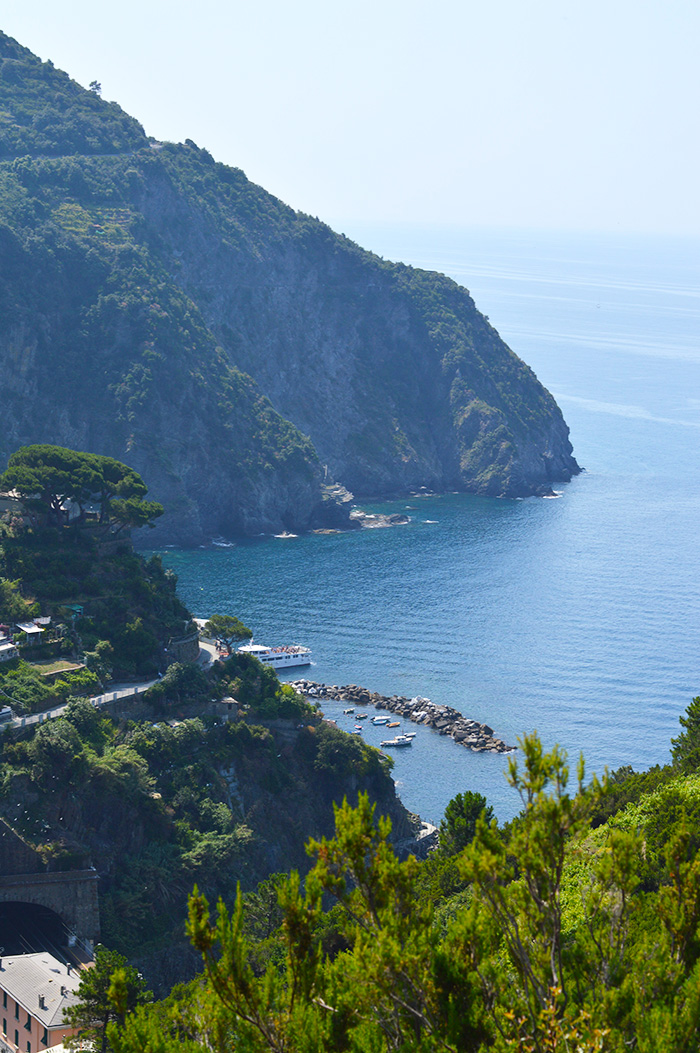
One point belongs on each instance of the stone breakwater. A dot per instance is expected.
(443, 719)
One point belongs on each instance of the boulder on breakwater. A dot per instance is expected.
(443, 719)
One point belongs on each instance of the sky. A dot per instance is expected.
(540, 114)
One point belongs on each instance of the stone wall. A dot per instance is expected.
(184, 649)
(72, 895)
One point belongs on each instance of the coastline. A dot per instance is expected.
(479, 738)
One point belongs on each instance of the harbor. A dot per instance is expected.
(479, 738)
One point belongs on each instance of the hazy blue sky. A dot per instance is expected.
(574, 114)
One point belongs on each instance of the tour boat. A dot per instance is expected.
(278, 657)
(399, 740)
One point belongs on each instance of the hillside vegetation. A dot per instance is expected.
(162, 309)
(549, 935)
(106, 605)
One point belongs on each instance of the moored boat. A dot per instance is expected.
(398, 740)
(278, 657)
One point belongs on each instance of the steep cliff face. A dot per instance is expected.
(160, 308)
(392, 372)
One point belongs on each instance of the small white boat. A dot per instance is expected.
(399, 740)
(380, 720)
(360, 716)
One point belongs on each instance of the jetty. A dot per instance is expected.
(442, 719)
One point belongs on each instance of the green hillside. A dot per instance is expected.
(162, 309)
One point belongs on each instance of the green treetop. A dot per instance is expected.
(107, 992)
(228, 629)
(458, 827)
(47, 477)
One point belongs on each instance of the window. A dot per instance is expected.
(45, 1038)
(4, 1025)
(4, 999)
(29, 1047)
(16, 1010)
(17, 1039)
(28, 1025)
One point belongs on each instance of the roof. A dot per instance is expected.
(29, 627)
(26, 977)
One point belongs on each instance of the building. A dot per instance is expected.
(8, 649)
(35, 991)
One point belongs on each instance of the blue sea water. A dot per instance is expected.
(579, 615)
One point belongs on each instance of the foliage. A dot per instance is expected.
(25, 688)
(257, 686)
(555, 947)
(45, 112)
(47, 478)
(228, 629)
(181, 683)
(131, 608)
(458, 826)
(13, 607)
(107, 992)
(686, 747)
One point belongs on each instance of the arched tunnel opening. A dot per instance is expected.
(27, 927)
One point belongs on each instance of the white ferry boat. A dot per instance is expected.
(278, 657)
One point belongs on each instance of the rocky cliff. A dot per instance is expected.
(160, 308)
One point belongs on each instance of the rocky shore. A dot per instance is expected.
(443, 719)
(373, 520)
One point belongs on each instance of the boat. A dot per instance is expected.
(360, 716)
(380, 720)
(410, 734)
(358, 727)
(350, 710)
(399, 740)
(394, 724)
(278, 657)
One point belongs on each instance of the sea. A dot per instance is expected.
(577, 616)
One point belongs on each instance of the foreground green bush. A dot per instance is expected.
(557, 946)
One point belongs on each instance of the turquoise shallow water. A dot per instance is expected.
(578, 616)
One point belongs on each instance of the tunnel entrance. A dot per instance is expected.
(28, 927)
